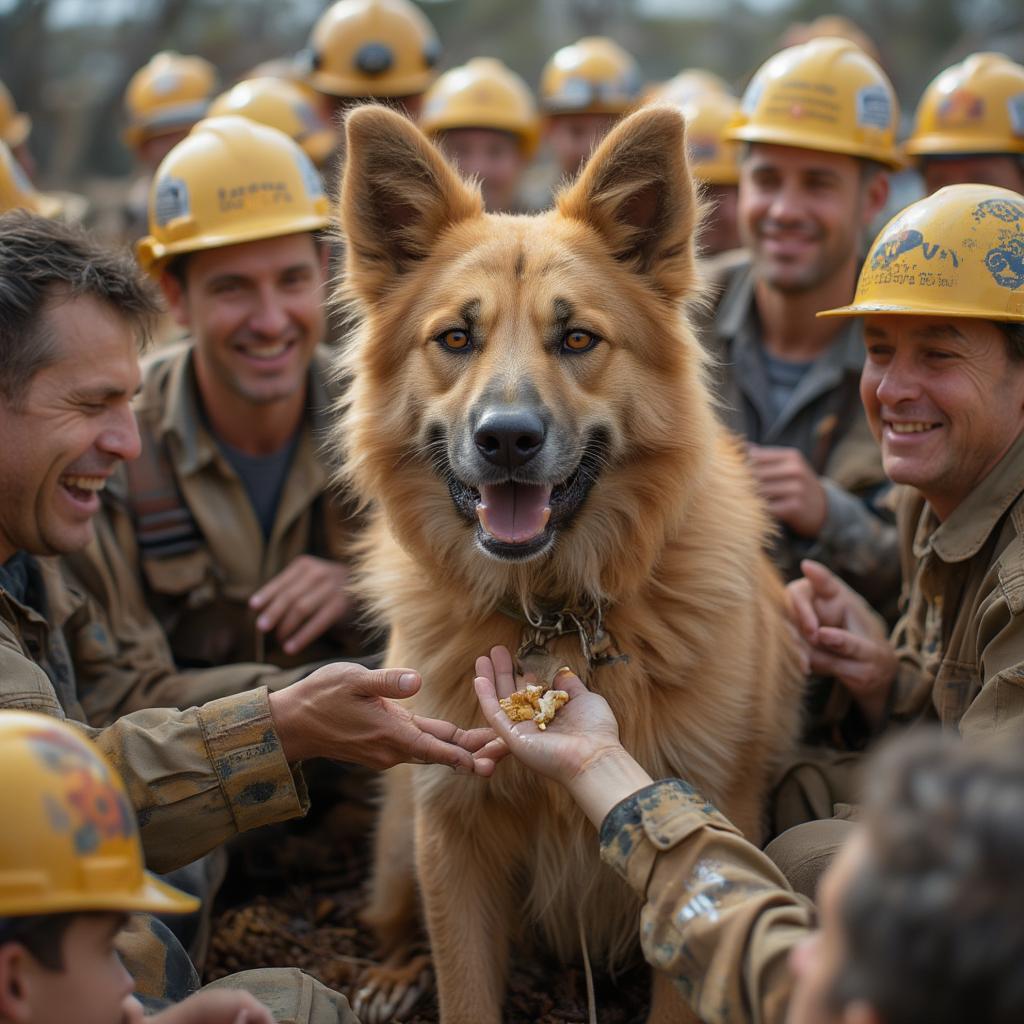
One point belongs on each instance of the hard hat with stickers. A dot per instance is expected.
(483, 93)
(384, 48)
(592, 76)
(976, 106)
(168, 94)
(283, 105)
(956, 253)
(231, 180)
(826, 94)
(71, 842)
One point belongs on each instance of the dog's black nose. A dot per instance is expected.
(509, 437)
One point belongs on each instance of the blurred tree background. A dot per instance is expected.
(67, 61)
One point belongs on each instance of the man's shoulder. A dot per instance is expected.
(23, 684)
(724, 290)
(159, 370)
(1009, 562)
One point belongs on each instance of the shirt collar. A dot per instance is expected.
(971, 523)
(738, 319)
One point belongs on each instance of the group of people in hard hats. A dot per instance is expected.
(174, 575)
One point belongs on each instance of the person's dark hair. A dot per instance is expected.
(871, 169)
(44, 259)
(1014, 334)
(934, 920)
(41, 934)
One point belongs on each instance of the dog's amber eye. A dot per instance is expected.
(578, 341)
(457, 340)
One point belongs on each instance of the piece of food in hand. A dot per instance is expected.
(534, 704)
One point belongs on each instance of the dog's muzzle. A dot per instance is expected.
(519, 516)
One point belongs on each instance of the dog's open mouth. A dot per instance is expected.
(517, 520)
(514, 513)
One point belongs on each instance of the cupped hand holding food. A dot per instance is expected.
(579, 749)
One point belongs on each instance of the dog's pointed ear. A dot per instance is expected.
(636, 190)
(397, 195)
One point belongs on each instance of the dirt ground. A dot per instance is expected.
(292, 899)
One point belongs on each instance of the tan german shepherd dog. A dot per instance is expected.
(529, 424)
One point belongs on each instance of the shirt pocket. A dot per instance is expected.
(188, 580)
(956, 685)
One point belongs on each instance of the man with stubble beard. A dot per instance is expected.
(227, 520)
(818, 127)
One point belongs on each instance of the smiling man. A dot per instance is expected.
(942, 297)
(227, 517)
(818, 123)
(71, 314)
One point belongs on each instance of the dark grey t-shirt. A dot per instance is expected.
(783, 377)
(263, 477)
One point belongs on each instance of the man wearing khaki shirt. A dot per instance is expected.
(70, 314)
(919, 918)
(228, 519)
(942, 297)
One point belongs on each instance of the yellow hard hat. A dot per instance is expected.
(282, 105)
(14, 125)
(958, 252)
(483, 93)
(230, 180)
(687, 85)
(831, 25)
(71, 841)
(18, 193)
(826, 94)
(592, 76)
(976, 106)
(168, 94)
(714, 159)
(372, 48)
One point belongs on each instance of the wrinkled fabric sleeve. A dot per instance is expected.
(717, 914)
(195, 778)
(198, 777)
(997, 712)
(860, 543)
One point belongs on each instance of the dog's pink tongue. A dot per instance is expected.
(514, 513)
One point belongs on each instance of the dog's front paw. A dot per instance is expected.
(389, 992)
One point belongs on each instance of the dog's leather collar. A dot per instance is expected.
(540, 627)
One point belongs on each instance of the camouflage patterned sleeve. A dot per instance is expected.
(198, 777)
(718, 915)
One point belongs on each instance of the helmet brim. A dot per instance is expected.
(922, 309)
(808, 140)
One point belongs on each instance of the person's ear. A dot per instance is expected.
(860, 1011)
(174, 296)
(876, 195)
(15, 984)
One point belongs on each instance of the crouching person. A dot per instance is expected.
(70, 874)
(70, 319)
(921, 916)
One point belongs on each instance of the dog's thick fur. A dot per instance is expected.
(669, 539)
